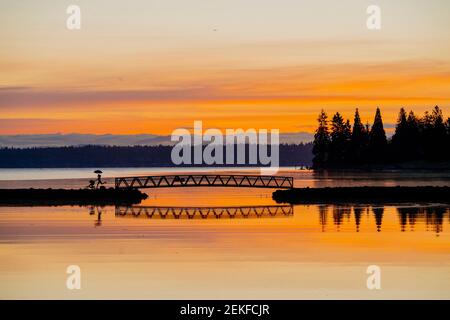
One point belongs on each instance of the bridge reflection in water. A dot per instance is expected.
(432, 216)
(205, 212)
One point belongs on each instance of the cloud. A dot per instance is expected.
(18, 96)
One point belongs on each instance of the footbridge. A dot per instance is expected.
(206, 180)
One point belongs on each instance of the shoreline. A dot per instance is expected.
(363, 195)
(327, 195)
(51, 197)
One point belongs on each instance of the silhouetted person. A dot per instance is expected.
(99, 180)
(98, 222)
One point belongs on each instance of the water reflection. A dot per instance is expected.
(391, 178)
(341, 217)
(204, 212)
(96, 210)
(432, 216)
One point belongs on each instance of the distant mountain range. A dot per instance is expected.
(76, 139)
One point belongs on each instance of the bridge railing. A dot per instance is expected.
(205, 180)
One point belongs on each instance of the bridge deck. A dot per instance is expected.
(205, 180)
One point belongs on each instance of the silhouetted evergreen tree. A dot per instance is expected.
(321, 141)
(447, 124)
(400, 140)
(438, 135)
(348, 140)
(428, 134)
(415, 139)
(365, 151)
(340, 140)
(414, 149)
(377, 140)
(447, 143)
(358, 140)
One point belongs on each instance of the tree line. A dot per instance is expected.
(124, 156)
(338, 144)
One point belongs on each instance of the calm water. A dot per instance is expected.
(224, 243)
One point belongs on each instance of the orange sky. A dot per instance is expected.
(154, 66)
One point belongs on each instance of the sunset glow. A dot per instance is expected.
(153, 66)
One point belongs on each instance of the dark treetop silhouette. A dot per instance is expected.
(419, 140)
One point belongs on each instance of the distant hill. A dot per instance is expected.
(122, 156)
(77, 139)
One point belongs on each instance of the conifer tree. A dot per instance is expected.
(438, 134)
(321, 141)
(447, 143)
(347, 136)
(400, 128)
(426, 125)
(415, 139)
(358, 140)
(412, 131)
(340, 139)
(400, 144)
(377, 140)
(365, 150)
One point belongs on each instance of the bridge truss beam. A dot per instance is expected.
(205, 180)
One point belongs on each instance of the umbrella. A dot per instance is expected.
(98, 171)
